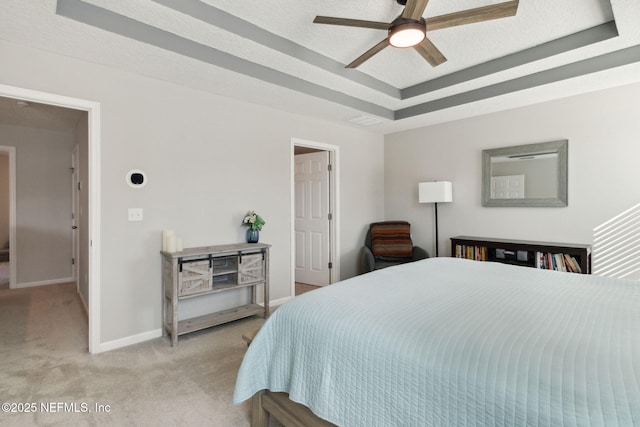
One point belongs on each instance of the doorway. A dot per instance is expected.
(314, 215)
(7, 216)
(92, 190)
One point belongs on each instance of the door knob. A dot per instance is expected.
(73, 227)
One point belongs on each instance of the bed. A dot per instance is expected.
(451, 342)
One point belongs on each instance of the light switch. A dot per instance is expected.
(135, 214)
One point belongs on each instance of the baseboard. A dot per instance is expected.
(84, 303)
(127, 341)
(146, 336)
(278, 302)
(45, 282)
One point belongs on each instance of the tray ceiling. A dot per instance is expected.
(270, 52)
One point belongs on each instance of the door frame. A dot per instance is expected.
(75, 209)
(93, 187)
(11, 152)
(305, 272)
(334, 207)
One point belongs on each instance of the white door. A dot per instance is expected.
(312, 218)
(75, 209)
(507, 187)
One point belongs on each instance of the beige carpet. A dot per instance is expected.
(44, 360)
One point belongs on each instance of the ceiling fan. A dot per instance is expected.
(409, 28)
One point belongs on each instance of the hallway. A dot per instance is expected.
(40, 321)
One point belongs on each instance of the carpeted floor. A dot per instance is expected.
(44, 361)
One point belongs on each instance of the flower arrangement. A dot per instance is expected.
(253, 220)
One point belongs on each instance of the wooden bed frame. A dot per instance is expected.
(265, 404)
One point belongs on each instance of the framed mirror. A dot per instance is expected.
(532, 175)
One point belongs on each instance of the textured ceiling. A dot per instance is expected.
(40, 116)
(464, 46)
(270, 52)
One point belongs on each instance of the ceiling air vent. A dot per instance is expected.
(365, 120)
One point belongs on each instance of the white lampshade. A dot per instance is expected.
(435, 192)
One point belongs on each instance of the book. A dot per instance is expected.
(576, 265)
(567, 262)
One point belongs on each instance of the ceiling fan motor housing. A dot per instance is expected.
(417, 29)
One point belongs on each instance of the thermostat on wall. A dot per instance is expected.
(136, 178)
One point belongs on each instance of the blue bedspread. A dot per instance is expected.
(452, 342)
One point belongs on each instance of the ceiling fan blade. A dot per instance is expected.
(430, 52)
(351, 22)
(414, 9)
(471, 16)
(368, 54)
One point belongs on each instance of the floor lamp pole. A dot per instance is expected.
(436, 209)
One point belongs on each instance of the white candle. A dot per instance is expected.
(171, 243)
(165, 238)
(178, 244)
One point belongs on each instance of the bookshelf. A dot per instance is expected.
(573, 258)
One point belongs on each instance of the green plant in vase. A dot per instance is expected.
(254, 224)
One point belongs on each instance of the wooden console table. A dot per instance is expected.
(195, 272)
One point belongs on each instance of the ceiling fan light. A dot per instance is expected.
(406, 35)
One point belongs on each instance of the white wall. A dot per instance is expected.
(603, 129)
(43, 203)
(208, 160)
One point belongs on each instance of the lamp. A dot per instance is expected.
(435, 192)
(406, 34)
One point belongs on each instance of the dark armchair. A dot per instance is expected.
(389, 243)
